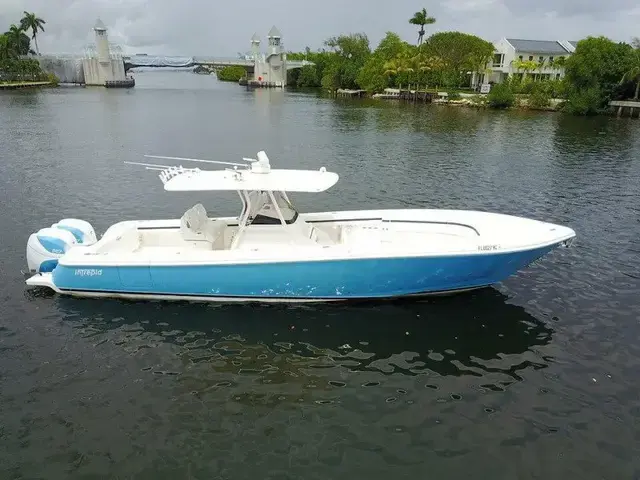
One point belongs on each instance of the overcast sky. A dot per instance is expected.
(217, 27)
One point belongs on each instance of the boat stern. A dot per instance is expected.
(44, 279)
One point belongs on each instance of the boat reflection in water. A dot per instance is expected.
(302, 353)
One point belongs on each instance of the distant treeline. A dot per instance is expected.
(600, 70)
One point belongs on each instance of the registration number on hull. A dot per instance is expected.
(488, 248)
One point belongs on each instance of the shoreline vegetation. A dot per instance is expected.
(599, 71)
(16, 71)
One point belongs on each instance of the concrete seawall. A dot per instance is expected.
(68, 70)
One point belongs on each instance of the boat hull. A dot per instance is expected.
(299, 281)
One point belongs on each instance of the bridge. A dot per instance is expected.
(267, 69)
(135, 61)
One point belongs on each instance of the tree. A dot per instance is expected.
(594, 71)
(31, 22)
(6, 51)
(18, 41)
(232, 73)
(421, 19)
(372, 75)
(527, 66)
(633, 74)
(402, 63)
(350, 55)
(598, 61)
(458, 54)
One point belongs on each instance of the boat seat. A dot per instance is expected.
(196, 226)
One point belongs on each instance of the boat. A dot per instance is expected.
(272, 252)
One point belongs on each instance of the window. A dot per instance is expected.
(520, 58)
(551, 60)
(540, 59)
(531, 58)
(497, 59)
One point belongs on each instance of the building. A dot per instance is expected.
(101, 65)
(538, 59)
(270, 69)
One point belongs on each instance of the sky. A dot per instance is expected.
(224, 28)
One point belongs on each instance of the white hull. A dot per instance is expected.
(321, 257)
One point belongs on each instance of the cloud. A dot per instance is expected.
(203, 27)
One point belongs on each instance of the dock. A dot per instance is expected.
(262, 84)
(128, 82)
(344, 92)
(424, 96)
(632, 105)
(21, 85)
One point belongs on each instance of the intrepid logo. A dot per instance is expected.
(88, 272)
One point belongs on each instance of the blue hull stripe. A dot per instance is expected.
(332, 279)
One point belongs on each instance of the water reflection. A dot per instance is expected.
(577, 136)
(475, 334)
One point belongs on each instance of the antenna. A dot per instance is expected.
(198, 160)
(149, 165)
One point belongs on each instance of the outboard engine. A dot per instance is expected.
(47, 245)
(83, 231)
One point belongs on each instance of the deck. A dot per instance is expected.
(621, 105)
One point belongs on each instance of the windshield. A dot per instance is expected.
(266, 213)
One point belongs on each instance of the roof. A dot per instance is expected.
(99, 25)
(537, 46)
(255, 38)
(310, 181)
(274, 32)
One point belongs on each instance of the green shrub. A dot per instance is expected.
(524, 86)
(231, 73)
(454, 96)
(540, 96)
(584, 102)
(52, 79)
(501, 96)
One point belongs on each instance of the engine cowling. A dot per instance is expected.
(81, 230)
(46, 246)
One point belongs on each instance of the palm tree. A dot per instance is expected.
(634, 73)
(400, 64)
(14, 38)
(31, 22)
(5, 47)
(421, 18)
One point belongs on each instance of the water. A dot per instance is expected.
(535, 378)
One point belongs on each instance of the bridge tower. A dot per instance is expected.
(271, 69)
(275, 41)
(102, 42)
(255, 46)
(101, 66)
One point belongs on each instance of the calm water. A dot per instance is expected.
(535, 378)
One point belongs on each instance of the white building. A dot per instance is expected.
(270, 69)
(509, 52)
(102, 66)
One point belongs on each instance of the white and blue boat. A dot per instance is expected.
(273, 253)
